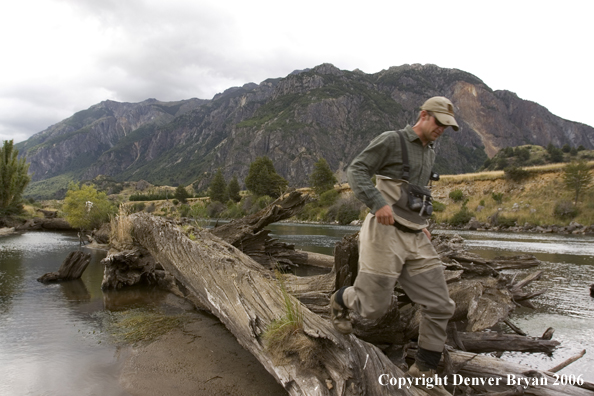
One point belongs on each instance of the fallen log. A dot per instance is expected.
(72, 268)
(474, 371)
(247, 300)
(479, 342)
(248, 233)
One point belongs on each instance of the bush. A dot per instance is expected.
(462, 217)
(438, 206)
(328, 198)
(515, 173)
(214, 209)
(138, 207)
(565, 210)
(456, 195)
(497, 197)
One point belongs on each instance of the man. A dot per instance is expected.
(394, 243)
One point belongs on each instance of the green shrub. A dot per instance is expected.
(138, 207)
(328, 198)
(461, 217)
(347, 214)
(565, 210)
(497, 197)
(456, 195)
(515, 173)
(438, 206)
(482, 202)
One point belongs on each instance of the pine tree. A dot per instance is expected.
(577, 177)
(181, 194)
(322, 179)
(262, 178)
(13, 178)
(217, 189)
(233, 190)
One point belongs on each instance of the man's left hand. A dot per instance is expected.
(426, 231)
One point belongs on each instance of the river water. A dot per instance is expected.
(51, 340)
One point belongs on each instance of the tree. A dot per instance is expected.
(85, 208)
(217, 189)
(181, 194)
(233, 190)
(577, 177)
(262, 178)
(322, 179)
(13, 178)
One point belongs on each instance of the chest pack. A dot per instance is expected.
(415, 203)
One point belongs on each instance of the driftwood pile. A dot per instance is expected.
(230, 275)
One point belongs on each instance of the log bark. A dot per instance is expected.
(470, 365)
(246, 298)
(72, 268)
(479, 342)
(248, 234)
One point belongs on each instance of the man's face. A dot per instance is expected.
(431, 128)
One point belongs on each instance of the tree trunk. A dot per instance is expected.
(72, 268)
(247, 299)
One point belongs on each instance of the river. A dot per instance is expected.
(51, 339)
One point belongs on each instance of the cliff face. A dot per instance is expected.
(323, 112)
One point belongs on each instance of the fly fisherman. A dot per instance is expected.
(394, 243)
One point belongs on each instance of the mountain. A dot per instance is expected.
(312, 113)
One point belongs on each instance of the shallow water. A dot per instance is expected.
(50, 336)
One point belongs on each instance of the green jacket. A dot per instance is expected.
(383, 157)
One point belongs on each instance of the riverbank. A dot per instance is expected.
(201, 359)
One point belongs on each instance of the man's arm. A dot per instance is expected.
(365, 165)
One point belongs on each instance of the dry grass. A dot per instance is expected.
(285, 339)
(495, 175)
(531, 201)
(121, 230)
(138, 325)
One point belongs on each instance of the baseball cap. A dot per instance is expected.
(443, 110)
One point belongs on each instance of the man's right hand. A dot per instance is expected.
(384, 215)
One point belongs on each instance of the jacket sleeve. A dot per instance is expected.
(371, 160)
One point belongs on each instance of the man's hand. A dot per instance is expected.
(426, 231)
(384, 215)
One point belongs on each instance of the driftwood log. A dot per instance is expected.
(248, 233)
(247, 299)
(245, 295)
(72, 268)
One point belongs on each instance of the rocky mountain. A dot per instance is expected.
(319, 112)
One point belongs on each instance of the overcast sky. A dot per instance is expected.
(63, 56)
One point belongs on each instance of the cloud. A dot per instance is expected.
(63, 56)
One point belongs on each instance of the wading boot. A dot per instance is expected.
(339, 314)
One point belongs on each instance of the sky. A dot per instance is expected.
(63, 56)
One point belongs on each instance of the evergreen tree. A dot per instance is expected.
(577, 177)
(13, 178)
(233, 190)
(217, 190)
(181, 194)
(322, 179)
(262, 178)
(85, 208)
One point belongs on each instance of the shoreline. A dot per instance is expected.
(201, 359)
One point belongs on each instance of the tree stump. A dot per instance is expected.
(72, 268)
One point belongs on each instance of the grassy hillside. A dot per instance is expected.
(532, 200)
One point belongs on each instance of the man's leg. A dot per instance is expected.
(379, 267)
(430, 291)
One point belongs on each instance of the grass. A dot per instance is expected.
(284, 337)
(137, 325)
(531, 201)
(121, 230)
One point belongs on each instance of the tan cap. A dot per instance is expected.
(443, 110)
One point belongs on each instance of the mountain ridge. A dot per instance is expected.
(318, 112)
